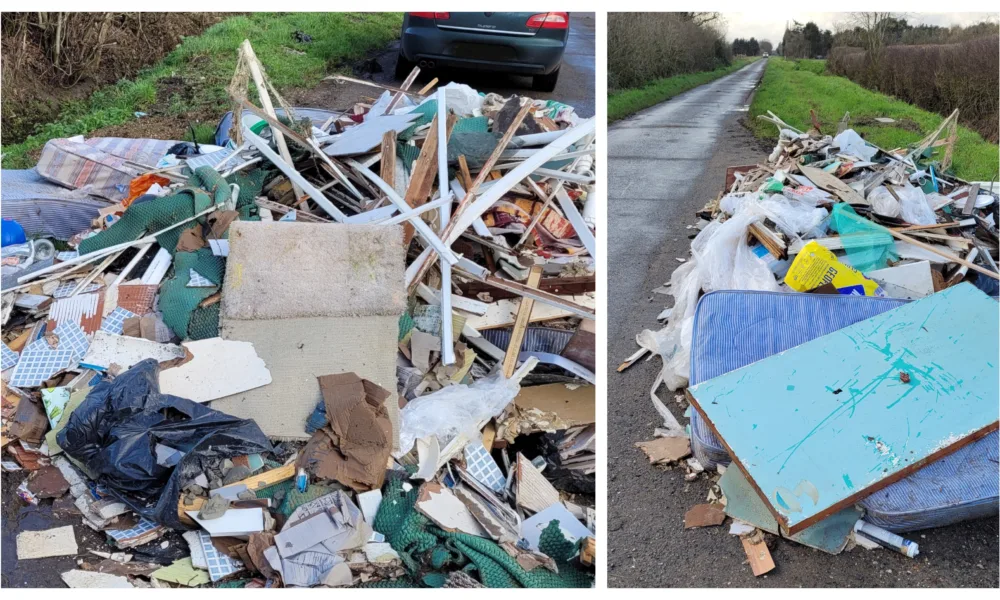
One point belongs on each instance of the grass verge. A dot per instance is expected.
(627, 102)
(192, 79)
(790, 89)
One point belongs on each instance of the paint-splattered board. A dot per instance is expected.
(822, 425)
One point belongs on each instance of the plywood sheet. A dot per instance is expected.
(818, 427)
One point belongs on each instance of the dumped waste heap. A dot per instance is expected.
(335, 348)
(834, 333)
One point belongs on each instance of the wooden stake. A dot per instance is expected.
(387, 169)
(950, 257)
(422, 177)
(265, 100)
(423, 91)
(463, 166)
(521, 325)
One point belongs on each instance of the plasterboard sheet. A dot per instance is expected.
(219, 368)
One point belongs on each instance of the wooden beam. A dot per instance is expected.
(402, 90)
(463, 166)
(950, 257)
(560, 286)
(422, 177)
(265, 101)
(387, 169)
(521, 325)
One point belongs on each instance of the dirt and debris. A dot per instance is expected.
(828, 239)
(303, 347)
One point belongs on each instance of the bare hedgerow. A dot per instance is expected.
(938, 78)
(643, 47)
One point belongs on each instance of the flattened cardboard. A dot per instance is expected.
(354, 448)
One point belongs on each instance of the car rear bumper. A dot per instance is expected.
(535, 55)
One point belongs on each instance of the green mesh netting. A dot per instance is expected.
(423, 547)
(177, 301)
(148, 217)
(271, 491)
(868, 245)
(427, 110)
(471, 124)
(405, 325)
(204, 322)
(205, 188)
(407, 155)
(293, 498)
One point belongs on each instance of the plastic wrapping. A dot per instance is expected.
(792, 217)
(115, 431)
(914, 207)
(883, 203)
(851, 143)
(457, 409)
(461, 99)
(807, 195)
(722, 261)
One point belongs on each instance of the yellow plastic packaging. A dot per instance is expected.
(816, 266)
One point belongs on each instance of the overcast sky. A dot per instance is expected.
(765, 27)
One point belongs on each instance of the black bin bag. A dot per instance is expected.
(115, 431)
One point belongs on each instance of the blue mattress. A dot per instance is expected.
(734, 328)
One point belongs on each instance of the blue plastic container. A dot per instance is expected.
(13, 233)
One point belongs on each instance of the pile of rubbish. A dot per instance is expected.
(834, 334)
(335, 348)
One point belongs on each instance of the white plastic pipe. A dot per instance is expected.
(444, 214)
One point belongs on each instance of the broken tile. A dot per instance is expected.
(60, 541)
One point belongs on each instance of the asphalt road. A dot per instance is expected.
(575, 86)
(665, 163)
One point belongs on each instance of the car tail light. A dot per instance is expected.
(443, 16)
(552, 20)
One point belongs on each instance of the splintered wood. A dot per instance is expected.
(757, 553)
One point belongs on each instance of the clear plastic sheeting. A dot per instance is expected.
(793, 218)
(883, 203)
(722, 260)
(914, 207)
(457, 409)
(851, 143)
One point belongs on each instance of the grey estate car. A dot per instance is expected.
(522, 43)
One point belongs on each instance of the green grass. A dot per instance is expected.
(627, 102)
(789, 89)
(206, 63)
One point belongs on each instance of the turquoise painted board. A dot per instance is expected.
(824, 424)
(742, 502)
